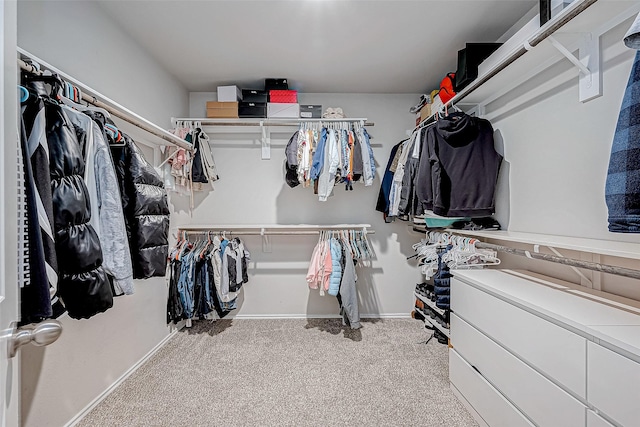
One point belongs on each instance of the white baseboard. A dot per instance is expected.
(123, 377)
(317, 316)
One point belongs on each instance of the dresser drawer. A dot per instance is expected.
(551, 349)
(484, 398)
(613, 385)
(542, 401)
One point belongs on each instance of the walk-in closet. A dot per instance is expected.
(320, 213)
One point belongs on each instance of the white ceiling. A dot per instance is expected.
(320, 46)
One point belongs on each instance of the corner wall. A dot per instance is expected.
(253, 191)
(60, 380)
(556, 156)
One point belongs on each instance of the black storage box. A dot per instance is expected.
(275, 84)
(468, 60)
(254, 95)
(252, 109)
(311, 111)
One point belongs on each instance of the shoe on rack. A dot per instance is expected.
(442, 338)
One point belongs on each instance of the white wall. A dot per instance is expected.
(253, 191)
(556, 158)
(58, 381)
(79, 38)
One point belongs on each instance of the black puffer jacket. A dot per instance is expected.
(82, 282)
(146, 210)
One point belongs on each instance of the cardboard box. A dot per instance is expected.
(425, 112)
(290, 111)
(311, 111)
(222, 110)
(229, 94)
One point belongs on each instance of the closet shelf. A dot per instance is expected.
(602, 247)
(427, 319)
(133, 123)
(430, 303)
(581, 24)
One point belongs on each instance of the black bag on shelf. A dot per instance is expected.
(468, 60)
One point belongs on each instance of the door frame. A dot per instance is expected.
(9, 288)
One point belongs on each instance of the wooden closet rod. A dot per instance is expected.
(127, 116)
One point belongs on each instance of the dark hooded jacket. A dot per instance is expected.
(460, 162)
(146, 208)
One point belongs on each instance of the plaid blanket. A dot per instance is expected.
(622, 190)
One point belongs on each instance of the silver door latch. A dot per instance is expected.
(40, 334)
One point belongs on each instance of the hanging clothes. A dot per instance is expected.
(33, 117)
(145, 206)
(206, 277)
(382, 204)
(35, 298)
(83, 284)
(332, 269)
(395, 193)
(107, 216)
(459, 167)
(322, 157)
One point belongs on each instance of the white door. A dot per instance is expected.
(9, 367)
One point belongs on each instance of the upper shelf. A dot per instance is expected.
(582, 19)
(602, 247)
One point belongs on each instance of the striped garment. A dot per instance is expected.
(33, 114)
(622, 190)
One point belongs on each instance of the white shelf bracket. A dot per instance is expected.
(266, 142)
(584, 280)
(590, 78)
(266, 243)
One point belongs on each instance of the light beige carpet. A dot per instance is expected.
(289, 373)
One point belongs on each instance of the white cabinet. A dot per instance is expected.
(495, 410)
(554, 350)
(613, 385)
(544, 402)
(557, 357)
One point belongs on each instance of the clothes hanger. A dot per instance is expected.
(53, 80)
(23, 92)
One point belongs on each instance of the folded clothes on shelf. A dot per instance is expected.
(475, 224)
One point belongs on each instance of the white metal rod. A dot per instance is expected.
(285, 230)
(118, 111)
(265, 121)
(266, 233)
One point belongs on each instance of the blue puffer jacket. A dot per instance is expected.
(336, 268)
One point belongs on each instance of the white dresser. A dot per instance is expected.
(534, 351)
